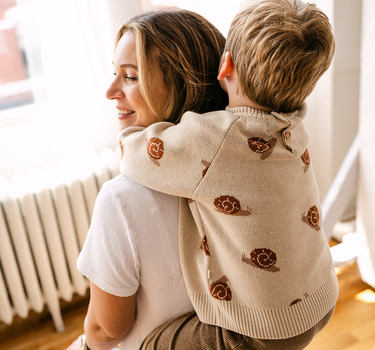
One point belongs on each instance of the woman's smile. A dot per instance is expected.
(123, 112)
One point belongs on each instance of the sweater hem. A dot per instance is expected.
(268, 323)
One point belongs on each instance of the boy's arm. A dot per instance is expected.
(169, 158)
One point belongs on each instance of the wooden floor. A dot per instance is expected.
(38, 331)
(351, 328)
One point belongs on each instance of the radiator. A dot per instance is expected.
(44, 219)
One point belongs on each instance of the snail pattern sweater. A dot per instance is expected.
(253, 253)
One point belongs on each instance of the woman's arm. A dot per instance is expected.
(109, 318)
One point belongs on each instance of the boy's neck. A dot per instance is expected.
(241, 101)
(237, 99)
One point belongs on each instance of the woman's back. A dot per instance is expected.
(133, 238)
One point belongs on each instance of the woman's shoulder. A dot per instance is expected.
(121, 183)
(131, 195)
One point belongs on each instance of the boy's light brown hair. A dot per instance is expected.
(280, 49)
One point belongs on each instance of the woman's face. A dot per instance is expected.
(132, 109)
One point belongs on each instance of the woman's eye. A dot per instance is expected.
(127, 78)
(130, 79)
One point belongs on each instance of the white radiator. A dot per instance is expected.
(44, 219)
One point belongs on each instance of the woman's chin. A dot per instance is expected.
(125, 123)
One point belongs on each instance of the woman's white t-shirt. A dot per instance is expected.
(132, 247)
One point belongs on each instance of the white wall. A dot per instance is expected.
(120, 11)
(216, 11)
(333, 106)
(366, 186)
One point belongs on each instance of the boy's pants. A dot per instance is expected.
(188, 333)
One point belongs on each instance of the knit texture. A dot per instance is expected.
(253, 253)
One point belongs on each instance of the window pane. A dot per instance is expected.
(21, 73)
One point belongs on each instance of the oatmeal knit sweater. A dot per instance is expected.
(253, 253)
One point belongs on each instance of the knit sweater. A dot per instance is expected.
(253, 253)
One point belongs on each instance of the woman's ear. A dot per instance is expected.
(226, 66)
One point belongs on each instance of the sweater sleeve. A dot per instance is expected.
(172, 158)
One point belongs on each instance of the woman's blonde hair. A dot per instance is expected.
(280, 49)
(186, 49)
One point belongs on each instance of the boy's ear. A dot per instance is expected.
(226, 67)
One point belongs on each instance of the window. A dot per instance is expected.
(55, 66)
(21, 74)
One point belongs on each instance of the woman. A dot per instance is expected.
(165, 63)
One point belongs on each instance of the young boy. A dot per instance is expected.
(254, 256)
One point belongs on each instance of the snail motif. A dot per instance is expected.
(155, 149)
(306, 160)
(205, 246)
(220, 289)
(263, 258)
(227, 204)
(312, 218)
(261, 146)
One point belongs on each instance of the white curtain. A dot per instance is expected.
(77, 47)
(366, 186)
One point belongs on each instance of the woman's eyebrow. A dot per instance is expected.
(127, 65)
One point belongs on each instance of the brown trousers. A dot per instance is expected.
(188, 333)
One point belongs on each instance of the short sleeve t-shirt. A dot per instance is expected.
(132, 247)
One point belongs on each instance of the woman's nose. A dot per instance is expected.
(114, 91)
